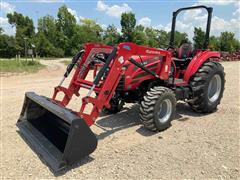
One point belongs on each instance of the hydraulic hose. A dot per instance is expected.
(104, 68)
(74, 61)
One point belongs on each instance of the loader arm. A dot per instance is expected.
(113, 70)
(79, 76)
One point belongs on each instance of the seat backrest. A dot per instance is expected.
(185, 50)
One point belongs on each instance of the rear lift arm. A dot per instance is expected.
(113, 70)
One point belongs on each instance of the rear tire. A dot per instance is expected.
(157, 108)
(208, 86)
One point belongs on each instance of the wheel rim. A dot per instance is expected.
(214, 88)
(165, 111)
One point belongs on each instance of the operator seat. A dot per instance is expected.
(183, 55)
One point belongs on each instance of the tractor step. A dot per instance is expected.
(55, 133)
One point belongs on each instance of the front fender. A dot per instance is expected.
(197, 61)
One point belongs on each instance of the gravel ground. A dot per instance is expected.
(196, 146)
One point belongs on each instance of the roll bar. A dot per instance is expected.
(209, 10)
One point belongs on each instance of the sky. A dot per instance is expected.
(149, 13)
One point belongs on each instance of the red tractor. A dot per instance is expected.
(155, 78)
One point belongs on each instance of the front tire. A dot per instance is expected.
(157, 108)
(208, 86)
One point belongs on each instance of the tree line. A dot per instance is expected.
(63, 36)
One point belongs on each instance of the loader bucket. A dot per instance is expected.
(56, 134)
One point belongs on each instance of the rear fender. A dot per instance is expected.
(197, 61)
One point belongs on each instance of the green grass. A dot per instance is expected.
(8, 65)
(66, 62)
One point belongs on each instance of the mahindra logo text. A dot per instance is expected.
(152, 52)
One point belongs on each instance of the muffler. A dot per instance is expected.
(55, 133)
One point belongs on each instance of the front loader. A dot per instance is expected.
(155, 78)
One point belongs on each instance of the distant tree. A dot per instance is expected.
(87, 31)
(140, 28)
(49, 40)
(163, 38)
(227, 41)
(236, 45)
(63, 36)
(128, 23)
(46, 49)
(66, 28)
(152, 37)
(180, 38)
(198, 38)
(214, 43)
(91, 31)
(111, 35)
(24, 24)
(93, 27)
(24, 29)
(7, 46)
(66, 22)
(139, 37)
(47, 26)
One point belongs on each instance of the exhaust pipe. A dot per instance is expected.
(55, 133)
